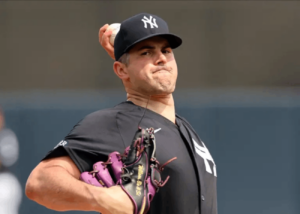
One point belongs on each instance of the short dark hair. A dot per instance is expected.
(124, 59)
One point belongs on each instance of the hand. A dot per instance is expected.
(104, 40)
(115, 201)
(137, 177)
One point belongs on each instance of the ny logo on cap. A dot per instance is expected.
(150, 21)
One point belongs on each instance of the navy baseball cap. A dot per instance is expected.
(140, 27)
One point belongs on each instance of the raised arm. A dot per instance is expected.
(55, 184)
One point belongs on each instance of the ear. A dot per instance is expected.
(121, 71)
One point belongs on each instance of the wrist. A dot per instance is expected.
(97, 195)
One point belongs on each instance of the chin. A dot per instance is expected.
(163, 91)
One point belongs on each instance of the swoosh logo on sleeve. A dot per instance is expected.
(157, 130)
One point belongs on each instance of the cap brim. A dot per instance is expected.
(173, 40)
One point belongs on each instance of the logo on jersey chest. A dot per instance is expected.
(203, 152)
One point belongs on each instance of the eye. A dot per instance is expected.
(166, 51)
(145, 53)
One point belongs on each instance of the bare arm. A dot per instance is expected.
(54, 184)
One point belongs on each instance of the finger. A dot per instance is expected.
(112, 55)
(102, 31)
(106, 44)
(110, 51)
(105, 37)
(116, 165)
(89, 179)
(103, 175)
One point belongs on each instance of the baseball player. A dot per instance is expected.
(10, 187)
(145, 62)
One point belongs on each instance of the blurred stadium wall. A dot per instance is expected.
(238, 86)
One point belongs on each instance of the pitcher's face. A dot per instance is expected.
(152, 67)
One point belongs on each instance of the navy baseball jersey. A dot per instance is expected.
(191, 188)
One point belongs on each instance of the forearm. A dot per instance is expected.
(56, 189)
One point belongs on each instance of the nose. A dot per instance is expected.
(161, 59)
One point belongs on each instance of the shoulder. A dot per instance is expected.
(100, 115)
(188, 126)
(185, 122)
(101, 120)
(106, 116)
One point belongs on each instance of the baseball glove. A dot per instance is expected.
(136, 170)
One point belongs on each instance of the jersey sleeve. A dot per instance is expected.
(90, 141)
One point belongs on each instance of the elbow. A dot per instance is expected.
(31, 187)
(29, 192)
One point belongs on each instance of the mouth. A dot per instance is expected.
(162, 70)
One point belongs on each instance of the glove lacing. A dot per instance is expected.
(161, 168)
(94, 171)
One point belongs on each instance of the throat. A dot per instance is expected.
(165, 107)
(170, 115)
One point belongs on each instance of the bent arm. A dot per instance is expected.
(55, 184)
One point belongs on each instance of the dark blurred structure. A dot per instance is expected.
(11, 190)
(238, 86)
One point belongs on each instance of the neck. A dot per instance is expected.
(161, 104)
